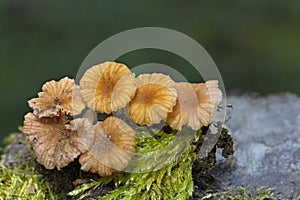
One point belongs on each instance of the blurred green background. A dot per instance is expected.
(255, 44)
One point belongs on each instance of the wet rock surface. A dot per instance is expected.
(266, 132)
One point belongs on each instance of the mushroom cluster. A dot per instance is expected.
(55, 139)
(62, 126)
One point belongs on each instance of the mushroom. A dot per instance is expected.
(90, 115)
(55, 141)
(154, 99)
(56, 97)
(107, 87)
(77, 101)
(186, 111)
(113, 147)
(209, 97)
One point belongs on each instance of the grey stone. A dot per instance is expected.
(266, 131)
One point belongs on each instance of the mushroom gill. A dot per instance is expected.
(56, 97)
(107, 87)
(209, 97)
(113, 147)
(56, 141)
(186, 111)
(154, 99)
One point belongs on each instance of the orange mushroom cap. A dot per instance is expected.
(107, 87)
(209, 97)
(56, 97)
(113, 147)
(154, 99)
(186, 111)
(55, 142)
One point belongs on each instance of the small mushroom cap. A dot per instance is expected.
(56, 97)
(107, 87)
(186, 111)
(209, 97)
(56, 143)
(83, 133)
(113, 147)
(154, 99)
(91, 116)
(77, 101)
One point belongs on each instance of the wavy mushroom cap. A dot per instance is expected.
(112, 150)
(107, 87)
(90, 115)
(186, 110)
(56, 97)
(55, 142)
(154, 99)
(77, 101)
(209, 97)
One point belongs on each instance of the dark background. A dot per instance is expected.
(255, 44)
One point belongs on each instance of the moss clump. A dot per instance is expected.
(18, 178)
(22, 178)
(240, 193)
(23, 184)
(173, 181)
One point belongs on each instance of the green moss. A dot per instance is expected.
(173, 181)
(22, 178)
(23, 184)
(18, 178)
(240, 193)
